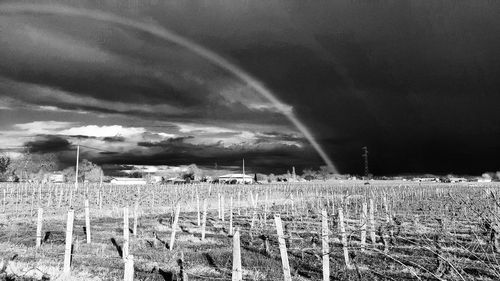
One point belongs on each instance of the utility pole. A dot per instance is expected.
(365, 157)
(243, 168)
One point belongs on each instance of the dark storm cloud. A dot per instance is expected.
(108, 153)
(278, 136)
(261, 156)
(165, 143)
(68, 68)
(114, 139)
(81, 137)
(48, 144)
(279, 158)
(416, 82)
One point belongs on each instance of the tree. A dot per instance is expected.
(262, 177)
(324, 172)
(309, 174)
(89, 171)
(69, 173)
(34, 166)
(271, 178)
(196, 172)
(192, 173)
(4, 165)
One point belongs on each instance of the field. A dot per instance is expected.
(423, 231)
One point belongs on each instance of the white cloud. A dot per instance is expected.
(57, 109)
(104, 131)
(167, 136)
(201, 129)
(43, 127)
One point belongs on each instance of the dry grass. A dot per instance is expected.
(440, 234)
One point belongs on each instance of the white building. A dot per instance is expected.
(128, 181)
(454, 180)
(236, 179)
(57, 178)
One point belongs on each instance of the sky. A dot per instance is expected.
(414, 81)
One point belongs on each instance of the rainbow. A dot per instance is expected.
(12, 8)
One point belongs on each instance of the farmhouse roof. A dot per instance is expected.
(127, 179)
(234, 176)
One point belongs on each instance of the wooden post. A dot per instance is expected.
(386, 208)
(69, 242)
(239, 202)
(231, 216)
(222, 207)
(32, 201)
(219, 202)
(100, 198)
(39, 194)
(283, 251)
(344, 238)
(182, 272)
(333, 205)
(49, 200)
(87, 220)
(325, 246)
(252, 201)
(266, 201)
(39, 228)
(126, 239)
(129, 268)
(364, 222)
(70, 197)
(204, 220)
(237, 270)
(174, 227)
(372, 223)
(136, 216)
(254, 205)
(61, 193)
(198, 209)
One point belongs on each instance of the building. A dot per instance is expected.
(156, 179)
(128, 181)
(57, 178)
(236, 179)
(484, 180)
(455, 180)
(175, 180)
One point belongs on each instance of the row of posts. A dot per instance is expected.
(201, 220)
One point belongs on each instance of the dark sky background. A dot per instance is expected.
(418, 82)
